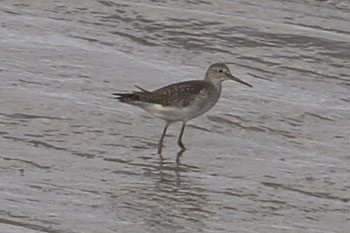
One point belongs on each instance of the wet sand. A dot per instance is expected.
(273, 158)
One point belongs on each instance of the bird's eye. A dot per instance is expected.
(220, 71)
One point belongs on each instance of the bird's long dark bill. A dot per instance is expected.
(238, 80)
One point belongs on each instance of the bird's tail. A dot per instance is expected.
(126, 97)
(132, 97)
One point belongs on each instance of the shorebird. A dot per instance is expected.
(181, 101)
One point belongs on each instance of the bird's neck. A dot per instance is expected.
(216, 83)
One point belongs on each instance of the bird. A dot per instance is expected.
(181, 101)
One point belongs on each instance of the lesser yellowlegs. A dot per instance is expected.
(181, 101)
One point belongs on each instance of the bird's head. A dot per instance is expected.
(220, 72)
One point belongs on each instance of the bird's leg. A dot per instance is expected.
(179, 141)
(160, 144)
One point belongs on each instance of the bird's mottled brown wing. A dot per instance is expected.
(178, 94)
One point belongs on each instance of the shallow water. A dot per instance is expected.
(273, 158)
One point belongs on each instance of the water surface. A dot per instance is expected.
(273, 158)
